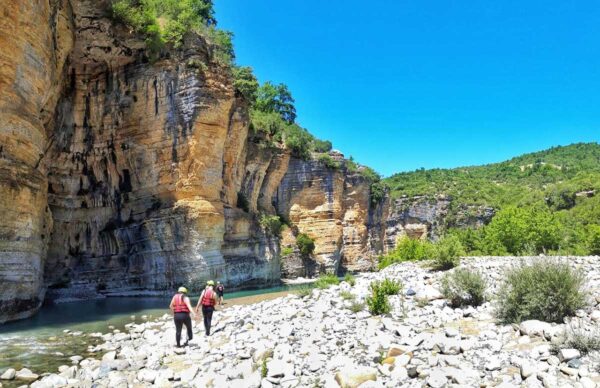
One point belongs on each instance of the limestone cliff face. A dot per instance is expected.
(423, 217)
(144, 166)
(333, 208)
(119, 175)
(35, 39)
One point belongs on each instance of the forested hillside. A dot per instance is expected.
(545, 201)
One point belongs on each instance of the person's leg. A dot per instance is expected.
(178, 325)
(206, 321)
(188, 324)
(209, 314)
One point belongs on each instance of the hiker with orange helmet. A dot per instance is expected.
(182, 308)
(208, 301)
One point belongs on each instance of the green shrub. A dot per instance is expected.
(407, 249)
(327, 280)
(347, 295)
(286, 251)
(271, 224)
(167, 21)
(356, 307)
(303, 291)
(582, 340)
(351, 165)
(377, 192)
(464, 287)
(544, 290)
(298, 140)
(378, 302)
(321, 145)
(305, 244)
(447, 253)
(328, 161)
(263, 368)
(593, 239)
(370, 174)
(350, 279)
(387, 286)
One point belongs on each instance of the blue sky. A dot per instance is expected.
(401, 85)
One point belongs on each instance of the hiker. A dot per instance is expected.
(181, 307)
(220, 292)
(208, 300)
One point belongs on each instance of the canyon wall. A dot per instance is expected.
(35, 38)
(122, 175)
(423, 217)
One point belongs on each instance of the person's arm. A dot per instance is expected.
(172, 303)
(215, 299)
(186, 300)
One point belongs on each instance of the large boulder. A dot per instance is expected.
(534, 328)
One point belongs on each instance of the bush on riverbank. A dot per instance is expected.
(584, 341)
(464, 287)
(356, 307)
(447, 253)
(387, 286)
(407, 249)
(303, 291)
(326, 281)
(350, 279)
(543, 290)
(378, 301)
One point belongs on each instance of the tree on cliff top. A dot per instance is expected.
(276, 99)
(245, 82)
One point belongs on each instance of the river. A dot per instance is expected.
(42, 344)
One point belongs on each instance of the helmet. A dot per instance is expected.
(182, 289)
(218, 282)
(210, 283)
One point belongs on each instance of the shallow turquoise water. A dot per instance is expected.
(39, 343)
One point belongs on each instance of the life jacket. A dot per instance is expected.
(208, 298)
(179, 305)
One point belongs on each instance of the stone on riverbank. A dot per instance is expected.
(317, 341)
(353, 376)
(26, 375)
(9, 374)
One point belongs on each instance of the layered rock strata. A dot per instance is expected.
(122, 175)
(35, 39)
(424, 217)
(332, 207)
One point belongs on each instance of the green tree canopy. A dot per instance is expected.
(278, 99)
(245, 83)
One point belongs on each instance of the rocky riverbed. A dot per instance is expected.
(317, 341)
